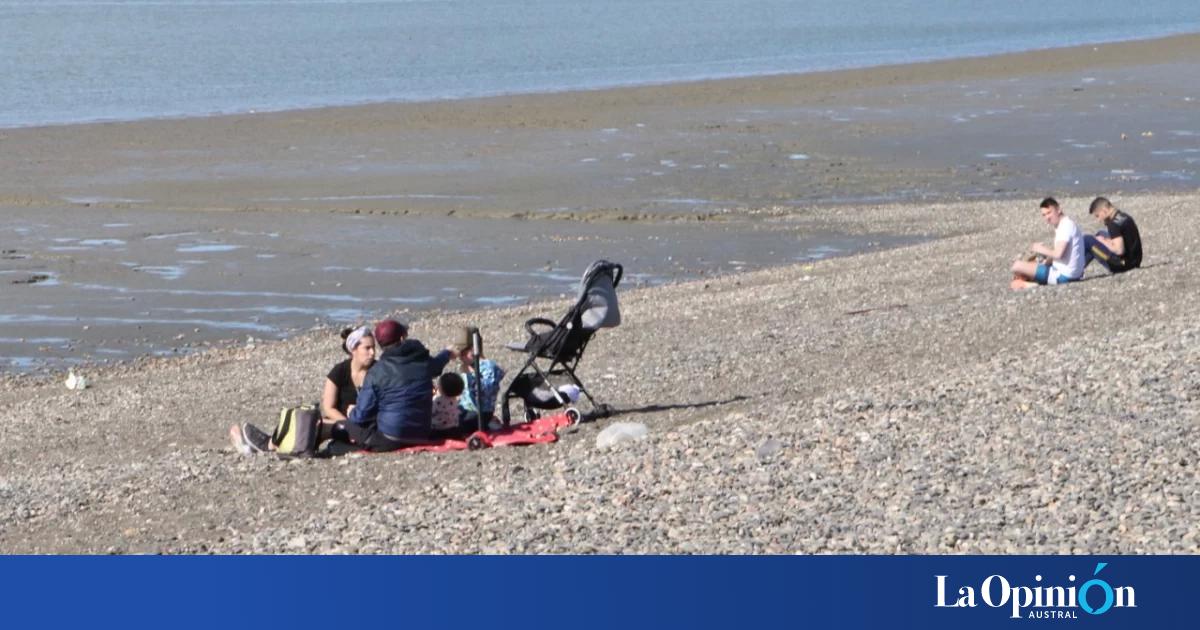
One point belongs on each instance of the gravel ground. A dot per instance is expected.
(902, 401)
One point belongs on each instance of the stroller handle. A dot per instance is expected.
(618, 273)
(537, 321)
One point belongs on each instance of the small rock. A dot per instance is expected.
(768, 448)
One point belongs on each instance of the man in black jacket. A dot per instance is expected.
(1119, 245)
(395, 403)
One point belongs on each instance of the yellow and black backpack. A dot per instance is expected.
(296, 432)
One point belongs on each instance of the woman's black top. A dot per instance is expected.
(347, 393)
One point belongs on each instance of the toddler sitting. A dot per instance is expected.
(447, 388)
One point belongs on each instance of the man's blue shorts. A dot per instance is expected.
(1046, 275)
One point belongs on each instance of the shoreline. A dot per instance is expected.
(1142, 49)
(108, 285)
(861, 222)
(903, 409)
(743, 155)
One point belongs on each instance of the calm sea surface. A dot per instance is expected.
(70, 61)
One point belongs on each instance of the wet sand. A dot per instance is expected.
(164, 236)
(102, 285)
(1115, 118)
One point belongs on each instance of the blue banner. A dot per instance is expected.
(601, 592)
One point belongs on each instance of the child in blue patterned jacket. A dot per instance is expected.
(488, 380)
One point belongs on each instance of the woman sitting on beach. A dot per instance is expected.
(346, 378)
(338, 397)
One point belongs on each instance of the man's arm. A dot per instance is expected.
(438, 362)
(1115, 244)
(368, 402)
(1060, 250)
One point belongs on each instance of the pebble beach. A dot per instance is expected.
(862, 381)
(898, 401)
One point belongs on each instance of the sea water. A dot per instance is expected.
(65, 61)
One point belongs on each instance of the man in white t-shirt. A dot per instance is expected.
(1063, 262)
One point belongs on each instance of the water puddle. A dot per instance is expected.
(500, 300)
(87, 201)
(164, 272)
(417, 271)
(169, 235)
(60, 320)
(207, 248)
(325, 297)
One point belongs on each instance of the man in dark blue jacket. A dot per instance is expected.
(395, 403)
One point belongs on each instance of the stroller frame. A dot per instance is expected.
(563, 344)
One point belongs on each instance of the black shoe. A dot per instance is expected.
(254, 437)
(238, 441)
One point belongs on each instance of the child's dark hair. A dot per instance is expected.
(450, 384)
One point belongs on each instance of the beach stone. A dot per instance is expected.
(620, 433)
(768, 448)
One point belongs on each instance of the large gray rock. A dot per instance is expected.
(619, 433)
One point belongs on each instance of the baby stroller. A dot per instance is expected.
(562, 344)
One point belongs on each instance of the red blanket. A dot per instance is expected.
(539, 431)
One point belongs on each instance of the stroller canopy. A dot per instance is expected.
(598, 296)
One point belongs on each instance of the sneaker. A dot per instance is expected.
(254, 437)
(239, 441)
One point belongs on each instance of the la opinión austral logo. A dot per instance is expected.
(1040, 601)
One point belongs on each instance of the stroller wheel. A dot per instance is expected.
(603, 410)
(573, 415)
(474, 443)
